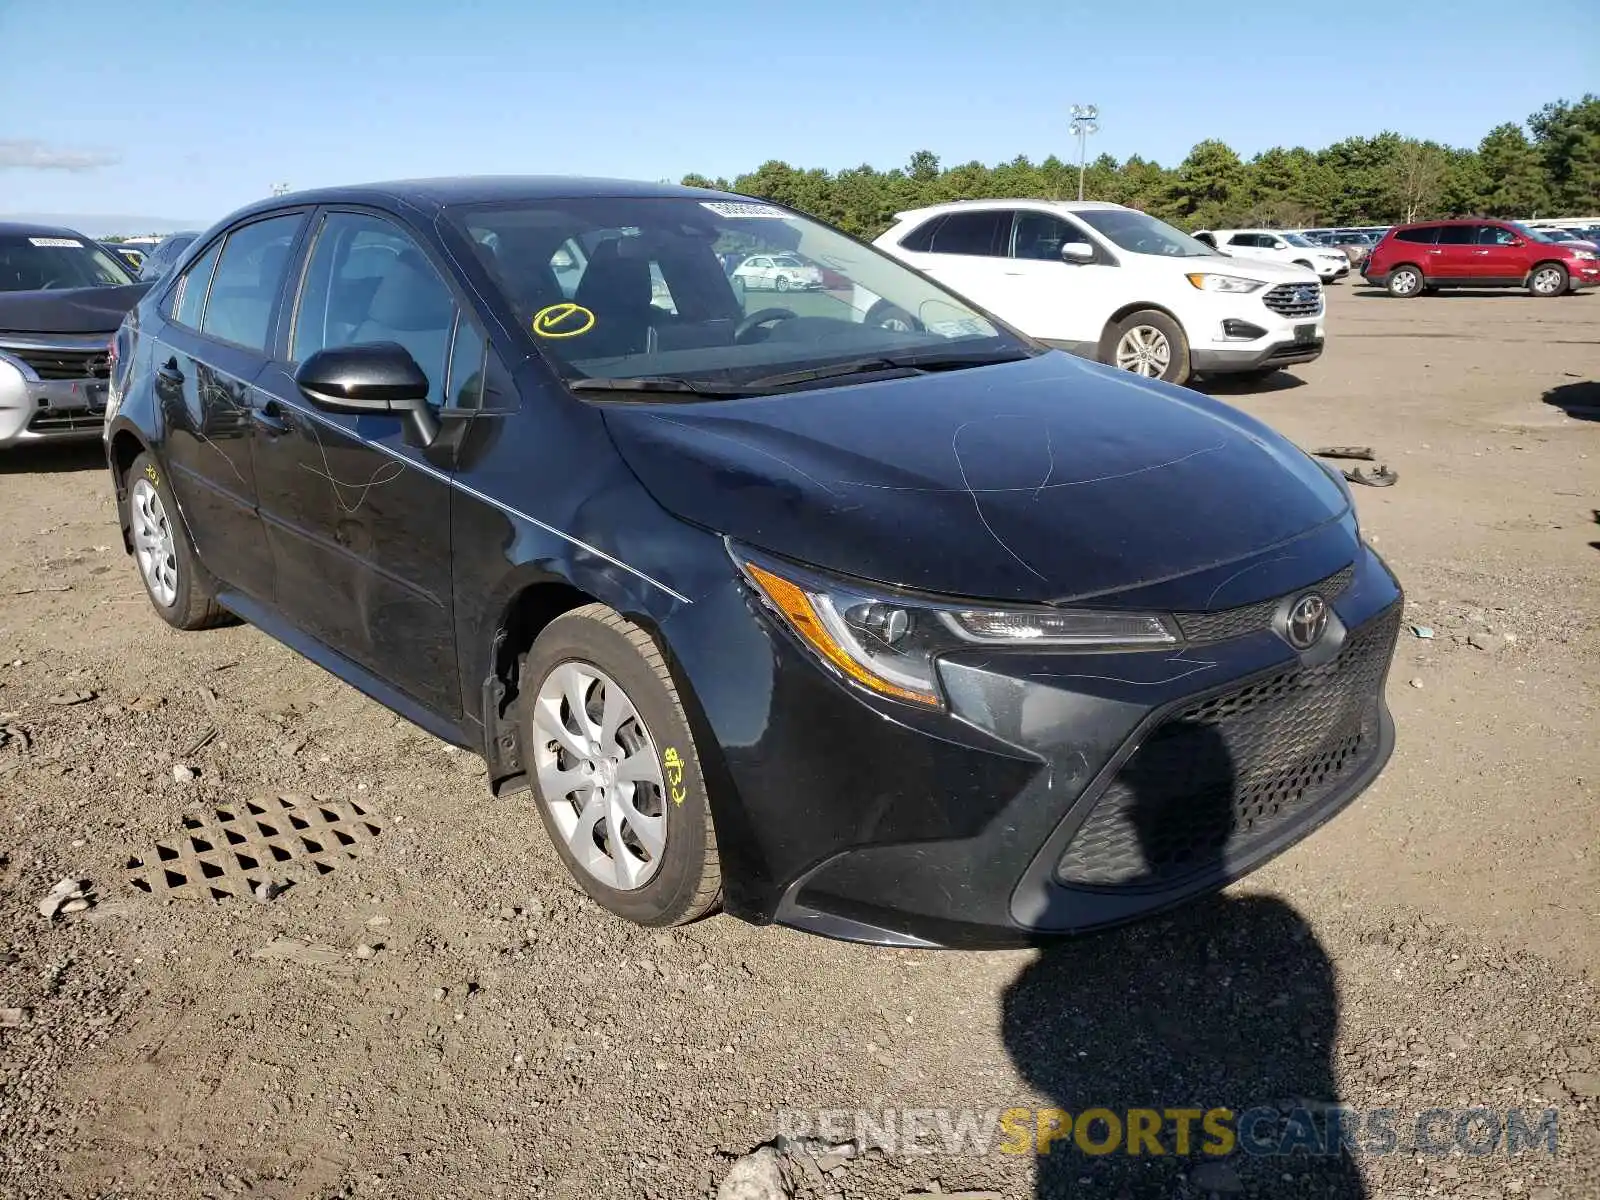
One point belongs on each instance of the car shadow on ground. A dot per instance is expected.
(1457, 293)
(1231, 1003)
(1581, 400)
(1234, 385)
(42, 458)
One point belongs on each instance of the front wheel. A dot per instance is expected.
(178, 587)
(1548, 279)
(782, 283)
(1405, 282)
(614, 769)
(1150, 344)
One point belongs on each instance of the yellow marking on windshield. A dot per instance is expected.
(562, 321)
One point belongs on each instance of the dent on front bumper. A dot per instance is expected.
(1064, 792)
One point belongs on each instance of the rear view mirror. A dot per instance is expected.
(1077, 252)
(375, 377)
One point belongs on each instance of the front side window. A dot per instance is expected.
(1041, 235)
(189, 297)
(1140, 233)
(1294, 239)
(654, 297)
(48, 262)
(367, 281)
(1495, 235)
(249, 274)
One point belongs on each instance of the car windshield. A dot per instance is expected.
(686, 293)
(1143, 234)
(1294, 239)
(1533, 235)
(37, 262)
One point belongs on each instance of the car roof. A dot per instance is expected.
(1004, 202)
(29, 229)
(430, 195)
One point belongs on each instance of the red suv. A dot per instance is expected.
(1412, 259)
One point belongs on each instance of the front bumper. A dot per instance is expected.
(48, 410)
(1279, 354)
(1063, 792)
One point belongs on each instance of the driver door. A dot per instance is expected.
(357, 512)
(1057, 301)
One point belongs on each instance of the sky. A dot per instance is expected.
(187, 109)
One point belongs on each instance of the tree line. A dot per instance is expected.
(1551, 167)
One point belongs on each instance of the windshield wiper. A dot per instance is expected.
(935, 361)
(661, 383)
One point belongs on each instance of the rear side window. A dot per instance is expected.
(982, 233)
(248, 277)
(1423, 236)
(189, 297)
(920, 239)
(1456, 235)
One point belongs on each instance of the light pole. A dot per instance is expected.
(1083, 124)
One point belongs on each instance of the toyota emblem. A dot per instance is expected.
(1308, 620)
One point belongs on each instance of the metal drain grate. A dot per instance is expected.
(229, 850)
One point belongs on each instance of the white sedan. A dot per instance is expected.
(776, 272)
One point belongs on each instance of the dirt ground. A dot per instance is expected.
(443, 1015)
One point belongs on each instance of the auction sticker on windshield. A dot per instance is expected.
(562, 321)
(728, 208)
(73, 243)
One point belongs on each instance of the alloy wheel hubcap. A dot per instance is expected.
(153, 546)
(1405, 282)
(1144, 350)
(1547, 280)
(599, 775)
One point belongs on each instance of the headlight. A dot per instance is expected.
(890, 642)
(1584, 254)
(1223, 283)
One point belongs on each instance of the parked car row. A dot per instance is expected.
(518, 459)
(1282, 246)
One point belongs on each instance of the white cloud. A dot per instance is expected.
(30, 154)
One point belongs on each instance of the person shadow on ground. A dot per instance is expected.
(1226, 1003)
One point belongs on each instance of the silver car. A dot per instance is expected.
(62, 297)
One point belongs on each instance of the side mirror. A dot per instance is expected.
(375, 377)
(1077, 252)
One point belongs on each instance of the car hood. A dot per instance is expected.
(69, 310)
(1265, 269)
(1046, 479)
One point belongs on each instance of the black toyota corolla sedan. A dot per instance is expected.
(908, 630)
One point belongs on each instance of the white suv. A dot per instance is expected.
(1276, 245)
(1112, 284)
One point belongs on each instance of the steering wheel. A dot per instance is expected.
(760, 317)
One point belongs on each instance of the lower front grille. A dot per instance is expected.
(1218, 778)
(66, 421)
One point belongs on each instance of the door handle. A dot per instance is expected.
(1435, 251)
(169, 372)
(268, 420)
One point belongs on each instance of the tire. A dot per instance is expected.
(1548, 279)
(884, 315)
(667, 871)
(1406, 282)
(1149, 329)
(180, 589)
(782, 283)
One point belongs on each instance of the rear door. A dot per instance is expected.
(357, 511)
(1454, 254)
(210, 351)
(968, 252)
